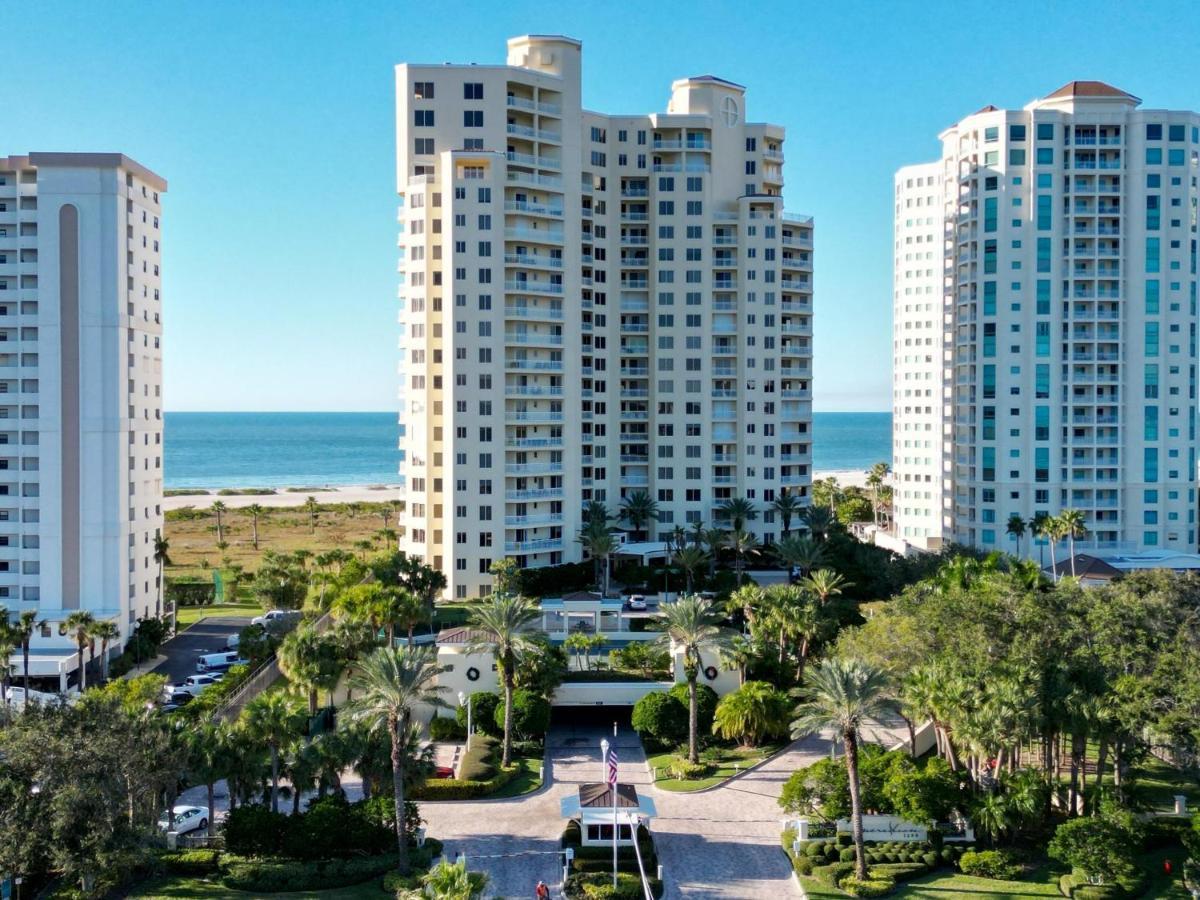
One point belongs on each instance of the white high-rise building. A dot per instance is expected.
(80, 395)
(1069, 345)
(917, 393)
(590, 305)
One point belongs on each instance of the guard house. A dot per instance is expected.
(589, 613)
(593, 809)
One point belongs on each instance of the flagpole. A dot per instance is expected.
(611, 777)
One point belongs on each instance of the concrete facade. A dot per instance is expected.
(590, 305)
(81, 378)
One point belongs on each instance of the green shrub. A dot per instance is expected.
(833, 873)
(1099, 892)
(706, 704)
(867, 887)
(443, 728)
(847, 854)
(478, 763)
(844, 839)
(831, 851)
(483, 714)
(271, 876)
(1165, 831)
(948, 856)
(460, 789)
(190, 863)
(680, 768)
(900, 871)
(660, 716)
(531, 715)
(930, 859)
(598, 886)
(802, 864)
(815, 848)
(988, 864)
(253, 830)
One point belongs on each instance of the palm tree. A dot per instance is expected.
(104, 631)
(24, 628)
(714, 540)
(311, 661)
(788, 506)
(639, 509)
(80, 623)
(1055, 529)
(8, 645)
(754, 711)
(844, 694)
(275, 721)
(689, 624)
(746, 599)
(162, 558)
(218, 509)
(1037, 529)
(208, 751)
(691, 559)
(739, 511)
(254, 510)
(826, 583)
(876, 478)
(599, 543)
(1016, 530)
(819, 520)
(596, 513)
(451, 881)
(311, 506)
(678, 538)
(501, 627)
(798, 552)
(406, 610)
(1075, 526)
(742, 543)
(391, 682)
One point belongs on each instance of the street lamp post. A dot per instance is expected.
(465, 700)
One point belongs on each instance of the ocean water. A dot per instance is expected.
(213, 450)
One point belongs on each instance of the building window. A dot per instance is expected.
(423, 90)
(472, 118)
(473, 90)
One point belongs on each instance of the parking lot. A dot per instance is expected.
(206, 636)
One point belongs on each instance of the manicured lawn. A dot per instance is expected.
(524, 782)
(722, 768)
(190, 615)
(184, 888)
(817, 890)
(956, 886)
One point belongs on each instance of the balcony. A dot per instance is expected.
(533, 260)
(533, 235)
(542, 546)
(534, 134)
(534, 365)
(532, 521)
(533, 312)
(533, 209)
(551, 468)
(535, 494)
(531, 390)
(534, 442)
(550, 109)
(533, 417)
(526, 159)
(532, 337)
(533, 287)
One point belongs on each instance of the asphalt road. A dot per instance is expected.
(206, 636)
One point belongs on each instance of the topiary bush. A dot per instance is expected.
(833, 873)
(847, 854)
(661, 718)
(483, 714)
(867, 887)
(190, 863)
(443, 728)
(680, 768)
(531, 715)
(272, 876)
(988, 864)
(253, 830)
(706, 704)
(844, 839)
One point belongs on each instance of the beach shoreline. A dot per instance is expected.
(295, 496)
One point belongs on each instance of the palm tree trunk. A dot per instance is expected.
(398, 796)
(1077, 745)
(912, 737)
(506, 757)
(410, 633)
(693, 721)
(856, 823)
(82, 672)
(1071, 537)
(274, 778)
(25, 662)
(1101, 755)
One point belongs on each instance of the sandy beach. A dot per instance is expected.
(374, 493)
(283, 498)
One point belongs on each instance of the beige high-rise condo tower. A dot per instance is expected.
(590, 306)
(1059, 371)
(81, 404)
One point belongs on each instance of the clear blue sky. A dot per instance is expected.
(274, 124)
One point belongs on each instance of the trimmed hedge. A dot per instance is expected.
(460, 789)
(1078, 888)
(867, 887)
(988, 864)
(598, 886)
(833, 873)
(444, 728)
(190, 863)
(272, 876)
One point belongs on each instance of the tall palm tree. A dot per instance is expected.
(8, 646)
(691, 559)
(274, 720)
(678, 538)
(1037, 529)
(639, 509)
(1016, 530)
(844, 694)
(79, 624)
(714, 540)
(208, 756)
(406, 610)
(689, 624)
(218, 509)
(742, 543)
(254, 510)
(162, 558)
(600, 544)
(596, 513)
(1055, 529)
(104, 631)
(391, 682)
(788, 506)
(501, 626)
(819, 520)
(798, 552)
(738, 511)
(826, 583)
(311, 661)
(1074, 526)
(747, 599)
(24, 627)
(311, 506)
(876, 478)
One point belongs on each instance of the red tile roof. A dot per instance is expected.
(1088, 89)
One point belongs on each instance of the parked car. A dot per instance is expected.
(174, 697)
(275, 615)
(232, 641)
(217, 662)
(184, 819)
(194, 684)
(635, 602)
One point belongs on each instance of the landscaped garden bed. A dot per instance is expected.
(591, 868)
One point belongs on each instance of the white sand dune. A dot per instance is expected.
(344, 493)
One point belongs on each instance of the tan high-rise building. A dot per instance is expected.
(80, 396)
(591, 306)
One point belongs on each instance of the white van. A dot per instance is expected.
(217, 662)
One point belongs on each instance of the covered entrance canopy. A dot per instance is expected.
(644, 551)
(593, 807)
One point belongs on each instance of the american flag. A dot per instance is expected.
(612, 765)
